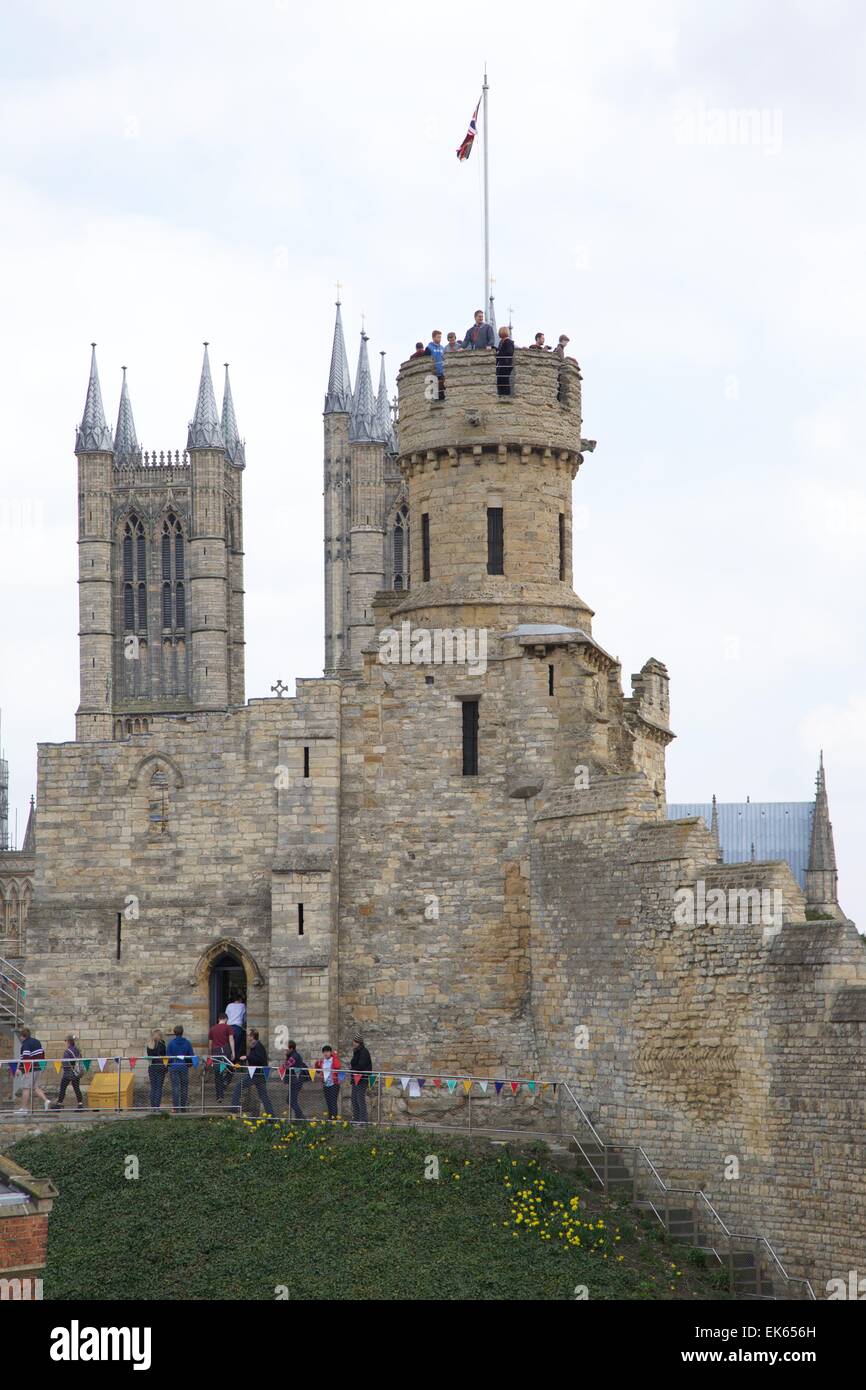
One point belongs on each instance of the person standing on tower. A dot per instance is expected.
(480, 335)
(435, 350)
(504, 362)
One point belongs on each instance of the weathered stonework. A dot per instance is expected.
(515, 922)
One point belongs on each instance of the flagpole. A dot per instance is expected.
(486, 300)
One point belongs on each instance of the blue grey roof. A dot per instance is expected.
(778, 830)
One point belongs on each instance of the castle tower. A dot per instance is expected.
(160, 567)
(337, 495)
(821, 875)
(94, 447)
(367, 440)
(489, 479)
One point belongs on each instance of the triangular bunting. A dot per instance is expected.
(195, 1060)
(86, 1064)
(405, 1082)
(57, 1067)
(484, 1085)
(356, 1077)
(251, 1070)
(421, 1080)
(389, 1082)
(531, 1085)
(515, 1087)
(27, 1066)
(498, 1085)
(266, 1071)
(282, 1070)
(102, 1062)
(132, 1062)
(223, 1067)
(467, 1087)
(437, 1081)
(452, 1086)
(371, 1080)
(312, 1071)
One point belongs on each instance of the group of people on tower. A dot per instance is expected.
(479, 337)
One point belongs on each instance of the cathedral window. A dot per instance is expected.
(400, 549)
(173, 596)
(134, 575)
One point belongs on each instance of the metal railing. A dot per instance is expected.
(524, 1107)
(12, 994)
(684, 1213)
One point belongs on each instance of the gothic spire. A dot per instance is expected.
(364, 426)
(93, 435)
(822, 851)
(126, 448)
(714, 827)
(204, 427)
(383, 410)
(339, 394)
(235, 449)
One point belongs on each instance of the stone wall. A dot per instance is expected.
(704, 1042)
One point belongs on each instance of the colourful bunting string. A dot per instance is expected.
(467, 1087)
(282, 1070)
(26, 1068)
(389, 1082)
(356, 1077)
(437, 1082)
(531, 1085)
(102, 1062)
(405, 1082)
(57, 1067)
(452, 1086)
(312, 1071)
(372, 1080)
(421, 1080)
(515, 1087)
(132, 1062)
(86, 1064)
(498, 1085)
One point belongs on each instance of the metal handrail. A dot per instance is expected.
(696, 1195)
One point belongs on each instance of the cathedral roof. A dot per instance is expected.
(759, 830)
(126, 449)
(93, 434)
(364, 424)
(383, 410)
(235, 448)
(205, 431)
(339, 394)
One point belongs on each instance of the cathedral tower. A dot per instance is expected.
(160, 567)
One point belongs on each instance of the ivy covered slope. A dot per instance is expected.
(239, 1208)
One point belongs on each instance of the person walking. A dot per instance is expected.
(435, 350)
(504, 362)
(180, 1052)
(72, 1070)
(32, 1053)
(156, 1069)
(328, 1067)
(360, 1067)
(480, 335)
(236, 1014)
(257, 1058)
(220, 1043)
(294, 1078)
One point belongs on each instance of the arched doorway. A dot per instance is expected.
(226, 975)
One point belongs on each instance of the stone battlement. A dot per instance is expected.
(544, 409)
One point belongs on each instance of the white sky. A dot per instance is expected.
(175, 172)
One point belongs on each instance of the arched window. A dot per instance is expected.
(134, 575)
(173, 597)
(400, 548)
(157, 815)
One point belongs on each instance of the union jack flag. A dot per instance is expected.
(469, 138)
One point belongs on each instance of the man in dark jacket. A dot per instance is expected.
(480, 335)
(294, 1078)
(71, 1063)
(360, 1066)
(504, 362)
(180, 1050)
(256, 1057)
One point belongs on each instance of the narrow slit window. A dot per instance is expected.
(306, 762)
(562, 545)
(495, 541)
(470, 738)
(550, 680)
(300, 919)
(425, 545)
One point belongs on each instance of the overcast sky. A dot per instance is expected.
(177, 172)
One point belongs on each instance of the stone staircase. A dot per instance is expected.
(685, 1216)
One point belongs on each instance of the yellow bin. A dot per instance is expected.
(102, 1091)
